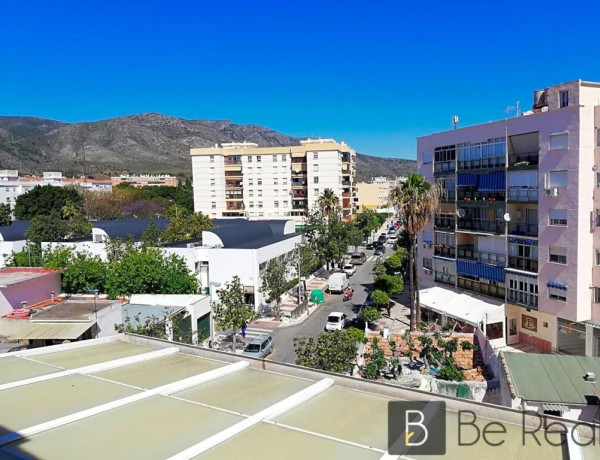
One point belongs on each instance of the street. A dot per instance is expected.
(361, 282)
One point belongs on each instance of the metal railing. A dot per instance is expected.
(523, 263)
(445, 222)
(515, 228)
(467, 252)
(492, 290)
(475, 195)
(444, 251)
(522, 298)
(444, 167)
(481, 163)
(482, 225)
(523, 160)
(523, 195)
(445, 278)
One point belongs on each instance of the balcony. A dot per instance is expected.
(492, 290)
(232, 161)
(446, 278)
(299, 160)
(467, 251)
(473, 195)
(346, 183)
(524, 299)
(523, 195)
(448, 196)
(444, 222)
(234, 196)
(233, 184)
(481, 225)
(235, 206)
(233, 173)
(481, 163)
(527, 264)
(444, 167)
(444, 251)
(346, 158)
(529, 160)
(299, 183)
(523, 229)
(299, 194)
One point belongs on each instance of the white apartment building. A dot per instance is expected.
(244, 180)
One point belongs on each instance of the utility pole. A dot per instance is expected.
(299, 279)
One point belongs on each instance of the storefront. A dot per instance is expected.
(535, 328)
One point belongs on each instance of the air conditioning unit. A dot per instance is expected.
(551, 192)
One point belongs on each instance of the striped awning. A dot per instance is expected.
(555, 285)
(493, 181)
(488, 272)
(522, 241)
(466, 180)
(521, 273)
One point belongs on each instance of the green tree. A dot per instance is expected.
(29, 256)
(188, 227)
(5, 214)
(57, 257)
(116, 248)
(396, 261)
(328, 201)
(370, 314)
(357, 335)
(79, 226)
(148, 271)
(84, 274)
(232, 311)
(155, 326)
(415, 200)
(309, 261)
(378, 268)
(46, 200)
(381, 300)
(367, 221)
(70, 211)
(389, 284)
(332, 352)
(152, 236)
(274, 280)
(46, 227)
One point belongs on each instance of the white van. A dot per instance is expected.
(338, 282)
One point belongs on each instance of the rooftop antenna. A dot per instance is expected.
(518, 109)
(454, 121)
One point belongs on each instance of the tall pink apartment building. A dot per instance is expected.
(519, 224)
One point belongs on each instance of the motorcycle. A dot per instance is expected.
(348, 294)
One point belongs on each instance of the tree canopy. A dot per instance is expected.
(274, 279)
(5, 214)
(332, 352)
(46, 200)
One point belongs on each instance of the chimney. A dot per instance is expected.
(590, 377)
(24, 304)
(52, 296)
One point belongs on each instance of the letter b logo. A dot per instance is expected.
(416, 433)
(417, 428)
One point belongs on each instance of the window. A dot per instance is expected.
(213, 195)
(284, 181)
(285, 204)
(274, 158)
(276, 204)
(564, 99)
(558, 255)
(251, 182)
(275, 181)
(597, 295)
(597, 257)
(258, 158)
(558, 217)
(275, 192)
(260, 193)
(427, 263)
(251, 204)
(315, 155)
(557, 294)
(212, 158)
(316, 180)
(212, 183)
(284, 191)
(250, 193)
(557, 179)
(317, 191)
(260, 205)
(598, 179)
(258, 181)
(598, 137)
(283, 157)
(316, 168)
(284, 168)
(212, 169)
(559, 141)
(523, 290)
(259, 170)
(427, 157)
(249, 169)
(427, 238)
(213, 205)
(274, 169)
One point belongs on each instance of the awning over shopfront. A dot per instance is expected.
(50, 330)
(461, 306)
(474, 269)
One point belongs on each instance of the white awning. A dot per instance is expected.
(54, 330)
(465, 307)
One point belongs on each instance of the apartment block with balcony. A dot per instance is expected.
(245, 180)
(521, 198)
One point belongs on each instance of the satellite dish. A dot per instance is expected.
(460, 213)
(507, 217)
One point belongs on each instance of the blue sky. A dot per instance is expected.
(375, 74)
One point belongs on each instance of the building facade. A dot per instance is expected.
(242, 179)
(519, 217)
(143, 180)
(376, 194)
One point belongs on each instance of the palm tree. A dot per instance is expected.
(69, 211)
(415, 200)
(328, 201)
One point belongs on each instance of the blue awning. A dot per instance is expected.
(445, 259)
(466, 180)
(493, 181)
(488, 272)
(522, 241)
(554, 284)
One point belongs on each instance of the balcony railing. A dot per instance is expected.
(523, 160)
(444, 251)
(299, 160)
(481, 225)
(444, 167)
(522, 298)
(523, 263)
(448, 196)
(444, 222)
(481, 163)
(445, 278)
(523, 229)
(492, 290)
(466, 251)
(235, 206)
(231, 184)
(301, 194)
(523, 195)
(233, 173)
(474, 195)
(233, 196)
(299, 183)
(346, 183)
(230, 161)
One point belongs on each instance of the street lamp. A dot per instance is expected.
(175, 203)
(211, 322)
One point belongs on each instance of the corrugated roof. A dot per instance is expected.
(58, 331)
(553, 378)
(15, 231)
(122, 228)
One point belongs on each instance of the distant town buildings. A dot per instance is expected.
(520, 220)
(145, 180)
(242, 179)
(375, 194)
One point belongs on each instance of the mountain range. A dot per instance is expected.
(147, 143)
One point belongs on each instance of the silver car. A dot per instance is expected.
(259, 347)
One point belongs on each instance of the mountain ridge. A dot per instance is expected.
(141, 143)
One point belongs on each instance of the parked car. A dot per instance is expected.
(349, 269)
(338, 282)
(393, 229)
(259, 347)
(382, 239)
(358, 258)
(371, 245)
(336, 321)
(392, 239)
(380, 250)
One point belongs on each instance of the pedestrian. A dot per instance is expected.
(244, 330)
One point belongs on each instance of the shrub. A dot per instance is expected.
(356, 334)
(370, 314)
(451, 372)
(465, 345)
